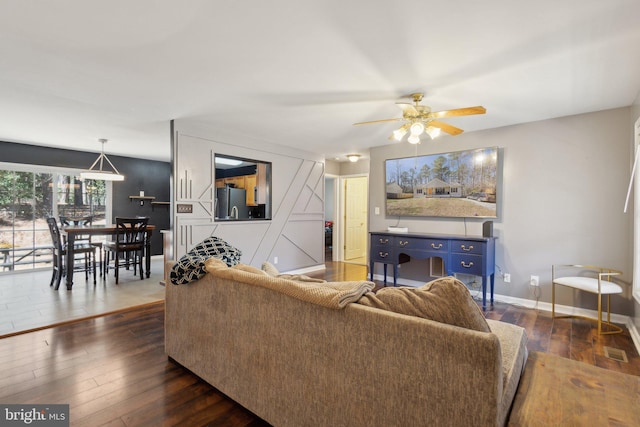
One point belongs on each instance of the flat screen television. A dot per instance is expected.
(459, 184)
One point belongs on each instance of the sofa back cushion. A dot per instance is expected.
(445, 300)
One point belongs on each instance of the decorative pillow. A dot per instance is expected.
(445, 300)
(268, 268)
(191, 266)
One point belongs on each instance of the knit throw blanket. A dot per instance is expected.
(335, 295)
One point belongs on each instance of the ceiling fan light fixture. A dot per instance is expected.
(398, 134)
(418, 119)
(101, 174)
(417, 128)
(353, 157)
(433, 132)
(413, 139)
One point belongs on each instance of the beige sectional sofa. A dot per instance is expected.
(302, 354)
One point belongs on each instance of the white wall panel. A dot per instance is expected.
(294, 234)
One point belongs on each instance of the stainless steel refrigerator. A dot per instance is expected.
(231, 203)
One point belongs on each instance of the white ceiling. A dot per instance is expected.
(299, 73)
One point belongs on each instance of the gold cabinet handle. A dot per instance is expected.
(433, 245)
(384, 241)
(467, 249)
(405, 243)
(466, 265)
(383, 254)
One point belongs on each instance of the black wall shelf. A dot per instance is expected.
(142, 199)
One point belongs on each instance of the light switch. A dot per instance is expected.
(184, 208)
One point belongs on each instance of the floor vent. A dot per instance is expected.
(616, 354)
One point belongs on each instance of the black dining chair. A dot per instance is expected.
(128, 245)
(60, 252)
(83, 221)
(77, 221)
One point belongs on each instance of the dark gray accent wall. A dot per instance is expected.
(153, 177)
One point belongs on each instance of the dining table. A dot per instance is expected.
(73, 231)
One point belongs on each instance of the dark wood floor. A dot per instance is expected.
(113, 370)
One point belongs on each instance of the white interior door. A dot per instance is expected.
(355, 202)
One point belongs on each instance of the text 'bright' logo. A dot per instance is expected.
(27, 416)
(38, 415)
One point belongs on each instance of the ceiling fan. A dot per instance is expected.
(419, 119)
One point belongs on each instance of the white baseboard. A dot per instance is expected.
(635, 334)
(306, 270)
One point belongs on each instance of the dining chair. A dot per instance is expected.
(60, 252)
(77, 221)
(83, 221)
(128, 245)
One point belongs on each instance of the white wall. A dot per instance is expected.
(295, 234)
(563, 189)
(354, 168)
(329, 197)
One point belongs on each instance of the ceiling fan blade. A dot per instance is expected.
(408, 110)
(379, 121)
(446, 127)
(457, 112)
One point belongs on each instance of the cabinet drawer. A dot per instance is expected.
(437, 245)
(381, 241)
(467, 264)
(467, 247)
(382, 254)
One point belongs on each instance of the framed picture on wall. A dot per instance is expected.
(459, 184)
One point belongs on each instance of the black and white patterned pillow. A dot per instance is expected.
(191, 266)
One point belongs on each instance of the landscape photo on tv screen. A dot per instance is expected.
(457, 184)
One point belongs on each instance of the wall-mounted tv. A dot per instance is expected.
(459, 184)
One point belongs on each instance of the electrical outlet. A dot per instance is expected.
(534, 281)
(506, 278)
(275, 259)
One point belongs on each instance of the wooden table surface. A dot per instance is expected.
(556, 391)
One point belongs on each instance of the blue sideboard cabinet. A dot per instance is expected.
(460, 254)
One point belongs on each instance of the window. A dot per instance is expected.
(243, 189)
(28, 195)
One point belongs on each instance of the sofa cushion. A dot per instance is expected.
(445, 300)
(192, 264)
(270, 269)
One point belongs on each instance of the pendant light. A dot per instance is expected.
(101, 174)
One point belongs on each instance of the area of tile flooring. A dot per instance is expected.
(27, 302)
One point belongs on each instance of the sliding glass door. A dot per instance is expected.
(29, 195)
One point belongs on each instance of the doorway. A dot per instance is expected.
(355, 204)
(330, 216)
